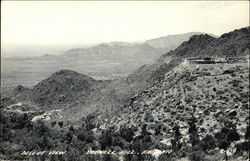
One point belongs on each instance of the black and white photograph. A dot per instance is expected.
(124, 80)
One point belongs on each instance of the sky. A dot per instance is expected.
(47, 27)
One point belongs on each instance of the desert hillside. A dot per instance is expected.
(192, 101)
(197, 111)
(209, 97)
(119, 92)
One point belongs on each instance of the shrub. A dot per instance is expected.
(233, 135)
(117, 141)
(81, 136)
(127, 134)
(243, 147)
(197, 156)
(149, 117)
(60, 124)
(194, 137)
(68, 137)
(106, 139)
(208, 142)
(247, 134)
(53, 123)
(85, 135)
(221, 139)
(90, 122)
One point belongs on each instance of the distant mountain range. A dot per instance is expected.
(150, 48)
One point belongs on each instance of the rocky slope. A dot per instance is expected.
(209, 98)
(213, 93)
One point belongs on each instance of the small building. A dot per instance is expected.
(205, 60)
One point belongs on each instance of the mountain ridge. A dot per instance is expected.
(171, 42)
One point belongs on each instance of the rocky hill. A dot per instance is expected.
(61, 87)
(235, 43)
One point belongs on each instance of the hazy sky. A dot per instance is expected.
(56, 23)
